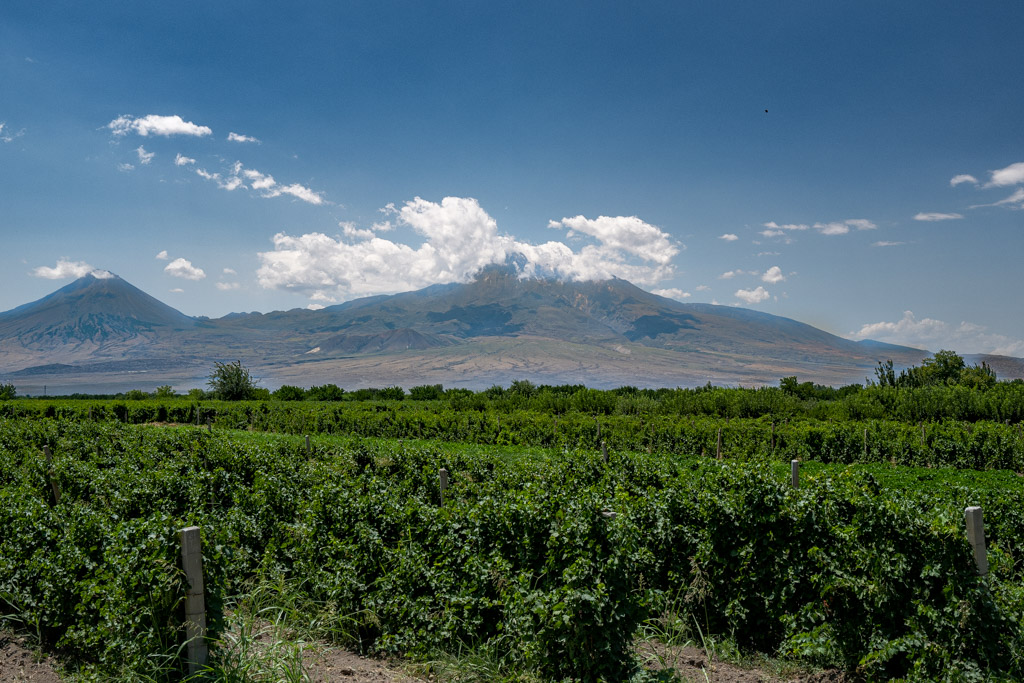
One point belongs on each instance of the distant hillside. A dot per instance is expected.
(492, 330)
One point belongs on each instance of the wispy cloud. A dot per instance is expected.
(1014, 201)
(154, 124)
(887, 244)
(937, 217)
(961, 179)
(6, 135)
(182, 160)
(932, 334)
(774, 229)
(162, 256)
(703, 288)
(237, 176)
(752, 296)
(728, 237)
(183, 268)
(228, 286)
(238, 137)
(66, 268)
(144, 156)
(176, 290)
(125, 167)
(458, 239)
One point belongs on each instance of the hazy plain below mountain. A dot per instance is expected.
(103, 334)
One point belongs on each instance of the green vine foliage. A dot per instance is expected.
(548, 560)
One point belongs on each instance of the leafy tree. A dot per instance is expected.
(7, 391)
(136, 395)
(231, 381)
(287, 392)
(164, 391)
(392, 393)
(327, 392)
(426, 392)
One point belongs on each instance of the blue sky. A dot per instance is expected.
(232, 156)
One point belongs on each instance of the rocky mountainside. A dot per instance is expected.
(494, 329)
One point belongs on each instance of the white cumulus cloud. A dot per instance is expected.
(752, 296)
(728, 237)
(154, 124)
(932, 334)
(228, 286)
(937, 217)
(144, 156)
(773, 275)
(624, 233)
(182, 160)
(238, 137)
(962, 178)
(183, 268)
(459, 238)
(672, 293)
(1004, 177)
(162, 256)
(66, 268)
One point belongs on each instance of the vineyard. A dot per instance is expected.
(558, 537)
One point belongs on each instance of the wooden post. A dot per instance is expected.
(49, 469)
(195, 607)
(773, 436)
(604, 452)
(442, 476)
(718, 446)
(976, 537)
(794, 466)
(598, 427)
(309, 451)
(209, 424)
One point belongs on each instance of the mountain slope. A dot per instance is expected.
(494, 329)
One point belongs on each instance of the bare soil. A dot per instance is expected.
(692, 664)
(19, 663)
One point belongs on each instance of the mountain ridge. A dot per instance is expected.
(494, 329)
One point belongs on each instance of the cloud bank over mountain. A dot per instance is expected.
(458, 238)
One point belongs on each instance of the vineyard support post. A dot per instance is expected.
(718, 446)
(308, 449)
(794, 466)
(976, 537)
(442, 476)
(865, 445)
(49, 470)
(195, 604)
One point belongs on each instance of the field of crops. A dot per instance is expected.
(543, 553)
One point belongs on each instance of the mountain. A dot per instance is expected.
(91, 318)
(494, 329)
